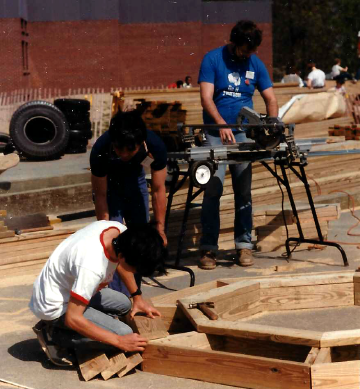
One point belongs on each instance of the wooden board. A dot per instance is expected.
(116, 363)
(307, 297)
(224, 367)
(27, 221)
(148, 328)
(91, 363)
(132, 361)
(344, 375)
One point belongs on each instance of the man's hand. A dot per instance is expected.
(226, 136)
(162, 234)
(140, 305)
(131, 342)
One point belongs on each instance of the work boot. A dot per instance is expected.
(57, 355)
(207, 260)
(244, 257)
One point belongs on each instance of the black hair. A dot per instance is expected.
(186, 78)
(179, 83)
(127, 130)
(143, 248)
(246, 32)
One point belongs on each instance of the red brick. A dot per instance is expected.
(105, 54)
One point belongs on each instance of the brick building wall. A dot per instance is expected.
(131, 46)
(77, 54)
(12, 72)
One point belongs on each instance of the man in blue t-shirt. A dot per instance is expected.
(228, 78)
(119, 186)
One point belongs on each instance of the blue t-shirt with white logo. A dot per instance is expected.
(234, 82)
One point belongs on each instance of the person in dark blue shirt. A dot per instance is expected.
(228, 78)
(119, 186)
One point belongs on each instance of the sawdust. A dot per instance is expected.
(21, 279)
(280, 268)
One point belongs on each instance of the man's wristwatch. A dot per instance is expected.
(137, 293)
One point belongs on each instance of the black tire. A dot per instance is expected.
(78, 135)
(5, 140)
(83, 126)
(77, 146)
(76, 117)
(39, 130)
(77, 105)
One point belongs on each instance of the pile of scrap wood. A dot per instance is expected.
(107, 365)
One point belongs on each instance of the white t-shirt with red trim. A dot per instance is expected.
(79, 267)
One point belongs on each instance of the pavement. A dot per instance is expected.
(24, 364)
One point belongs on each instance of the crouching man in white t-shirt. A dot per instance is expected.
(70, 296)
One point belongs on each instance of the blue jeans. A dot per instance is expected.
(103, 304)
(241, 175)
(129, 202)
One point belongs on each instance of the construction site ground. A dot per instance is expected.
(24, 364)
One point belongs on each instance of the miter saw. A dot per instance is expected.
(271, 140)
(268, 138)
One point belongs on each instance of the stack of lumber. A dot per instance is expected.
(272, 233)
(4, 231)
(190, 100)
(163, 119)
(353, 104)
(349, 132)
(29, 251)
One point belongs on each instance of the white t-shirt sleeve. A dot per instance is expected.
(85, 285)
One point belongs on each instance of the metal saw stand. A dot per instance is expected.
(174, 187)
(284, 163)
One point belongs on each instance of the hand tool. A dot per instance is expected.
(205, 308)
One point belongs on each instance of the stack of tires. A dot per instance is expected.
(39, 131)
(76, 112)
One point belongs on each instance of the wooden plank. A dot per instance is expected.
(132, 361)
(261, 332)
(27, 221)
(324, 356)
(344, 375)
(174, 319)
(148, 328)
(116, 364)
(91, 363)
(313, 353)
(308, 279)
(225, 368)
(356, 291)
(171, 298)
(308, 297)
(340, 338)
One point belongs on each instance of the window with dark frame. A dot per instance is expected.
(24, 47)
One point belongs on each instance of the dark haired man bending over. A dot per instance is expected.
(117, 164)
(70, 296)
